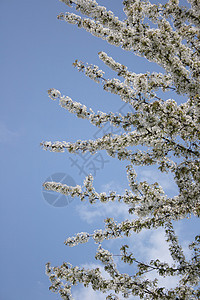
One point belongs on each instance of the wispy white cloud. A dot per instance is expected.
(112, 186)
(158, 247)
(7, 135)
(151, 245)
(151, 175)
(96, 212)
(88, 294)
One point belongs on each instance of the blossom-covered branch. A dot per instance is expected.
(167, 131)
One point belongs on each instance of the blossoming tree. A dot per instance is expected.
(169, 35)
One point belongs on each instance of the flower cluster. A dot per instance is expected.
(80, 238)
(91, 71)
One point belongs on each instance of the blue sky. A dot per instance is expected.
(37, 53)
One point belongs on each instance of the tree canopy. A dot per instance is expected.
(168, 35)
